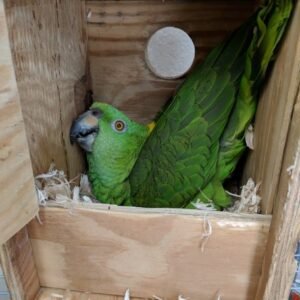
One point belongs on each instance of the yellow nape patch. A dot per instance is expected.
(151, 126)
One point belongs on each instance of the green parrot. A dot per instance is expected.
(198, 139)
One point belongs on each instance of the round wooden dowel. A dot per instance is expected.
(170, 53)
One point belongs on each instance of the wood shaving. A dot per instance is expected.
(156, 297)
(56, 296)
(207, 232)
(218, 297)
(290, 169)
(249, 137)
(249, 201)
(209, 205)
(89, 14)
(204, 206)
(54, 187)
(127, 295)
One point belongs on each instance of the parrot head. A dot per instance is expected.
(104, 125)
(112, 142)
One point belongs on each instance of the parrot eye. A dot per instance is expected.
(119, 126)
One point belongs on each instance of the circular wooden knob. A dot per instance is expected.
(170, 53)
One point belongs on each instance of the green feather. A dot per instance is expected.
(199, 138)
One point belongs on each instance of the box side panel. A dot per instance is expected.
(48, 43)
(166, 255)
(279, 264)
(18, 200)
(18, 266)
(118, 32)
(48, 293)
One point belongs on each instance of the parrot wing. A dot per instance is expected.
(181, 154)
(271, 23)
(198, 139)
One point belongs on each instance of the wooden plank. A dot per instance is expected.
(279, 264)
(274, 115)
(18, 199)
(19, 268)
(107, 251)
(57, 294)
(117, 35)
(48, 42)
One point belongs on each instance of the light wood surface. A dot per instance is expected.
(279, 265)
(57, 294)
(107, 251)
(273, 117)
(49, 51)
(118, 32)
(18, 203)
(18, 266)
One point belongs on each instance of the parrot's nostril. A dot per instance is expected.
(96, 112)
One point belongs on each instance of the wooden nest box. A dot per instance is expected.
(51, 53)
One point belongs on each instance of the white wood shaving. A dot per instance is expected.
(54, 187)
(127, 295)
(209, 205)
(87, 199)
(39, 219)
(249, 137)
(204, 206)
(76, 197)
(85, 185)
(290, 169)
(56, 296)
(89, 14)
(249, 201)
(218, 296)
(180, 297)
(156, 297)
(207, 232)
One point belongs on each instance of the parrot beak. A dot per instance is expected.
(85, 129)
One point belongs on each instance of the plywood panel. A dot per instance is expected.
(49, 50)
(57, 294)
(108, 251)
(18, 203)
(18, 265)
(279, 264)
(117, 35)
(274, 115)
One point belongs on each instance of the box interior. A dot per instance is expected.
(60, 50)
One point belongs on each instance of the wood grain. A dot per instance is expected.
(18, 199)
(57, 294)
(19, 267)
(274, 115)
(117, 36)
(279, 264)
(49, 50)
(107, 251)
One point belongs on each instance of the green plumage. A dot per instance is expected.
(199, 139)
